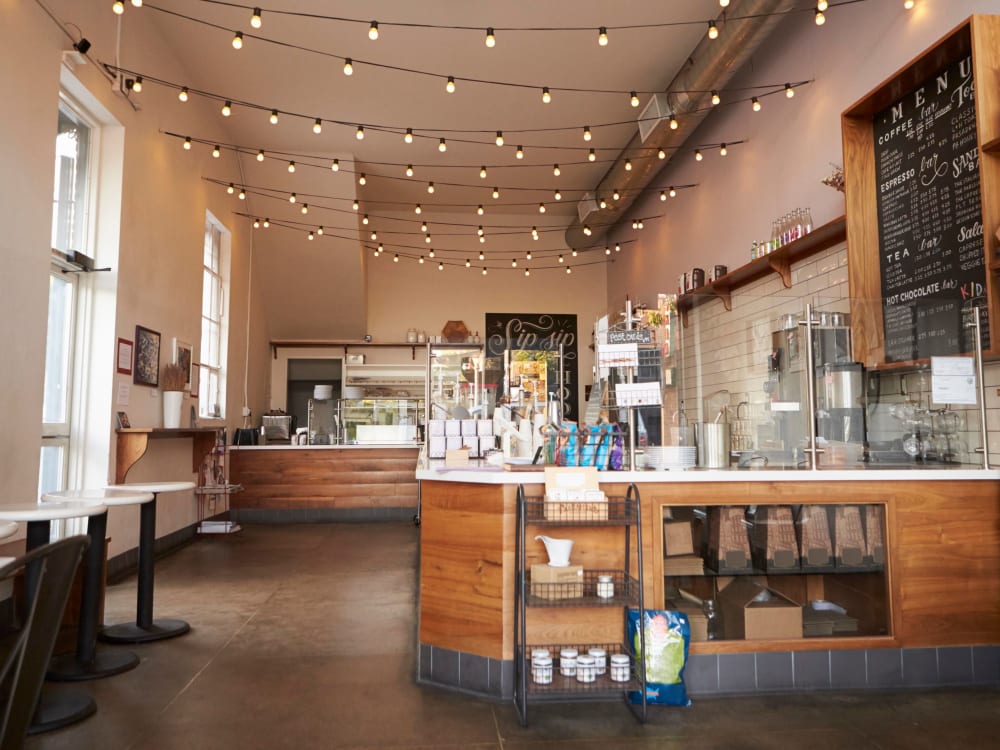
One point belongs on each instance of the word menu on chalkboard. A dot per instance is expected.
(931, 256)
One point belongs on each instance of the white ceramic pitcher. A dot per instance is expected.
(557, 549)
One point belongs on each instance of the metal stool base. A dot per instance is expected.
(66, 667)
(62, 709)
(130, 632)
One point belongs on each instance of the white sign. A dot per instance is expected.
(953, 380)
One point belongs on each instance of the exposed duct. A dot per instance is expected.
(710, 67)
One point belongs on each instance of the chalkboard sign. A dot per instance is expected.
(931, 256)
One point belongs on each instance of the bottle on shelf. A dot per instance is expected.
(808, 220)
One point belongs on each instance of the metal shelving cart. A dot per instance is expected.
(623, 512)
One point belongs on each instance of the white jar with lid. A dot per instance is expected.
(585, 670)
(619, 667)
(541, 670)
(600, 659)
(605, 587)
(567, 662)
(540, 652)
(411, 336)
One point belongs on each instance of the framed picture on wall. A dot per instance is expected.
(195, 380)
(121, 418)
(146, 361)
(124, 361)
(182, 357)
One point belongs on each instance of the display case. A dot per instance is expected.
(380, 421)
(456, 383)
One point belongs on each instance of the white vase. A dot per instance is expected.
(172, 403)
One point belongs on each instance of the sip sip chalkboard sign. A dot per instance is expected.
(930, 220)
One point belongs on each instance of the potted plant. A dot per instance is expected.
(173, 378)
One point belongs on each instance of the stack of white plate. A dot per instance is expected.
(671, 457)
(322, 392)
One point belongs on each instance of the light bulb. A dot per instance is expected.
(361, 132)
(291, 166)
(527, 272)
(362, 179)
(187, 143)
(431, 253)
(587, 230)
(561, 259)
(136, 3)
(227, 108)
(496, 192)
(586, 133)
(374, 235)
(468, 263)
(607, 251)
(348, 66)
(574, 253)
(423, 226)
(673, 192)
(238, 40)
(482, 172)
(231, 189)
(513, 262)
(546, 96)
(427, 238)
(318, 126)
(484, 271)
(430, 187)
(633, 99)
(274, 117)
(716, 98)
(442, 146)
(555, 170)
(908, 4)
(592, 156)
(661, 154)
(534, 235)
(255, 19)
(616, 195)
(602, 203)
(450, 86)
(267, 223)
(137, 84)
(789, 91)
(602, 36)
(440, 266)
(697, 155)
(354, 205)
(520, 152)
(713, 30)
(823, 4)
(242, 194)
(673, 123)
(364, 219)
(421, 260)
(319, 230)
(491, 40)
(260, 155)
(724, 3)
(373, 31)
(256, 223)
(395, 258)
(417, 209)
(408, 138)
(755, 103)
(541, 208)
(311, 236)
(305, 208)
(558, 195)
(375, 253)
(628, 165)
(409, 170)
(183, 95)
(216, 152)
(820, 18)
(528, 255)
(723, 150)
(638, 224)
(335, 166)
(499, 137)
(480, 210)
(118, 7)
(569, 270)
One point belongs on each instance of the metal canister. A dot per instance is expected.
(719, 271)
(697, 278)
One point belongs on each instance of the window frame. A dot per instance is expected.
(214, 330)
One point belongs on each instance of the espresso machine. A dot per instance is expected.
(839, 381)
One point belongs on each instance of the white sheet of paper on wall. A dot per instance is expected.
(953, 380)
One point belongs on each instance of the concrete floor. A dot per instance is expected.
(303, 637)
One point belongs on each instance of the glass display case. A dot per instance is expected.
(375, 421)
(456, 383)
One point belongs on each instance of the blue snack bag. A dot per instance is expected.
(668, 636)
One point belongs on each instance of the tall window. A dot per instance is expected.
(71, 195)
(212, 384)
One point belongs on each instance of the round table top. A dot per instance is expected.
(101, 497)
(51, 511)
(155, 487)
(7, 529)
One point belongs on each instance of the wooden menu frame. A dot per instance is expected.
(979, 36)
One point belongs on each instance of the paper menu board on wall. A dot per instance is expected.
(953, 380)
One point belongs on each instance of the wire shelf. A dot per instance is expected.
(585, 592)
(563, 686)
(614, 511)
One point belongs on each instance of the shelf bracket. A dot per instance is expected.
(724, 294)
(782, 266)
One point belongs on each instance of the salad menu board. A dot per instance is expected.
(931, 256)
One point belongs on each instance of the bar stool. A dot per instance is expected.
(145, 628)
(87, 662)
(53, 711)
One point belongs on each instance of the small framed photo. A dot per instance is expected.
(122, 419)
(195, 379)
(182, 357)
(124, 356)
(146, 358)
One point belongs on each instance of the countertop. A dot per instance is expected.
(283, 447)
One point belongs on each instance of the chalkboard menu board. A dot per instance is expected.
(931, 256)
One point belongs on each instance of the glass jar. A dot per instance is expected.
(422, 337)
(600, 660)
(605, 587)
(585, 669)
(411, 336)
(619, 667)
(567, 662)
(541, 670)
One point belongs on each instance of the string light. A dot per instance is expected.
(789, 91)
(480, 210)
(442, 146)
(723, 150)
(908, 4)
(363, 179)
(311, 236)
(430, 187)
(373, 31)
(713, 30)
(673, 123)
(427, 238)
(616, 195)
(555, 170)
(602, 36)
(820, 18)
(227, 108)
(633, 99)
(546, 96)
(187, 144)
(822, 5)
(607, 250)
(673, 192)
(482, 172)
(260, 155)
(520, 152)
(409, 170)
(602, 203)
(216, 152)
(335, 165)
(499, 140)
(528, 255)
(592, 156)
(574, 252)
(267, 223)
(238, 40)
(364, 220)
(697, 155)
(354, 205)
(431, 253)
(305, 210)
(361, 132)
(318, 126)
(485, 271)
(541, 208)
(348, 66)
(468, 263)
(755, 103)
(291, 166)
(231, 189)
(716, 99)
(118, 7)
(274, 117)
(450, 86)
(587, 230)
(408, 138)
(418, 210)
(491, 41)
(513, 262)
(534, 236)
(183, 95)
(256, 223)
(319, 230)
(242, 194)
(561, 259)
(395, 258)
(480, 232)
(423, 227)
(586, 133)
(496, 193)
(557, 195)
(255, 19)
(661, 154)
(724, 3)
(628, 165)
(421, 261)
(440, 266)
(527, 272)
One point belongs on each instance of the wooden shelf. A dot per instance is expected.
(992, 147)
(779, 262)
(346, 344)
(133, 442)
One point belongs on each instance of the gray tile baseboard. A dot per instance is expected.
(465, 673)
(320, 515)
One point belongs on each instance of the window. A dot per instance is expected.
(214, 324)
(70, 210)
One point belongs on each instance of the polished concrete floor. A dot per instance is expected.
(303, 637)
